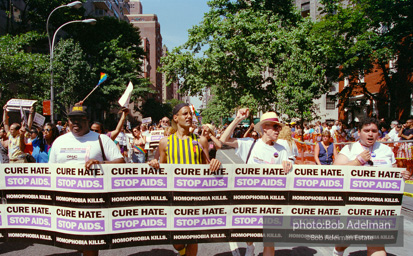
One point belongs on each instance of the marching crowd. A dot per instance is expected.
(270, 141)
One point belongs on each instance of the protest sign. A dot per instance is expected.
(147, 120)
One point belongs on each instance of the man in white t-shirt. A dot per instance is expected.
(393, 134)
(366, 152)
(262, 151)
(82, 146)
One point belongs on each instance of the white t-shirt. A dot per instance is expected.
(69, 148)
(121, 138)
(261, 153)
(380, 154)
(393, 135)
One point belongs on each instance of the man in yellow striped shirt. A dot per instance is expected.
(184, 147)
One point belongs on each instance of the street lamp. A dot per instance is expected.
(75, 4)
(88, 21)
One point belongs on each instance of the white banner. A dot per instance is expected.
(113, 206)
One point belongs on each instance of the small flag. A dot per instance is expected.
(103, 78)
(194, 110)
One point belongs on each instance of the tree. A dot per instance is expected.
(35, 13)
(363, 36)
(23, 74)
(156, 110)
(111, 46)
(173, 102)
(252, 52)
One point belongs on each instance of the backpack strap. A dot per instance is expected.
(249, 153)
(101, 148)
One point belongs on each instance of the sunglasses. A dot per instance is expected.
(277, 127)
(94, 130)
(46, 130)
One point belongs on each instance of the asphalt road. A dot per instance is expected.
(224, 249)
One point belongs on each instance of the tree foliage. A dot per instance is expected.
(22, 74)
(155, 109)
(252, 53)
(111, 46)
(362, 38)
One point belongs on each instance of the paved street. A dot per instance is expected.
(226, 156)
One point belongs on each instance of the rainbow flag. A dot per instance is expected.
(142, 150)
(194, 110)
(103, 78)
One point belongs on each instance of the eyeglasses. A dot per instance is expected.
(46, 130)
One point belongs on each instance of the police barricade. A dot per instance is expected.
(114, 206)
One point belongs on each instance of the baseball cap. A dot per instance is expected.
(78, 110)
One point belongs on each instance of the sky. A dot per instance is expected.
(175, 18)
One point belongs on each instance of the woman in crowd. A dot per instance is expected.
(325, 150)
(285, 138)
(4, 144)
(43, 143)
(138, 146)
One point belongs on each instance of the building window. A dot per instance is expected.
(330, 103)
(333, 88)
(305, 9)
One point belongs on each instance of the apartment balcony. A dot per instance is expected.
(102, 4)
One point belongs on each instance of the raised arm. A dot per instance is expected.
(122, 119)
(226, 136)
(6, 119)
(249, 130)
(31, 117)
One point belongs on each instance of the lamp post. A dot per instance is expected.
(77, 5)
(88, 21)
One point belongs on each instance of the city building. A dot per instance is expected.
(111, 8)
(150, 30)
